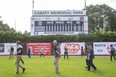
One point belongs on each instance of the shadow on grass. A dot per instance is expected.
(60, 75)
(99, 73)
(20, 75)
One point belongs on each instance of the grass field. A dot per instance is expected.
(43, 67)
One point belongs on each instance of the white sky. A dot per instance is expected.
(21, 10)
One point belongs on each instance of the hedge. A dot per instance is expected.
(11, 37)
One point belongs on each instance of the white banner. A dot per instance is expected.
(103, 48)
(74, 48)
(7, 46)
(58, 12)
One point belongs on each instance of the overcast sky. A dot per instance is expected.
(21, 10)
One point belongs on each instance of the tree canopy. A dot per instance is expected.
(101, 16)
(5, 27)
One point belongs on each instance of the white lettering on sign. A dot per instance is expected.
(59, 12)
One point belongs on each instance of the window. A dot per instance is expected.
(56, 27)
(73, 27)
(69, 27)
(36, 23)
(59, 27)
(39, 23)
(50, 27)
(76, 27)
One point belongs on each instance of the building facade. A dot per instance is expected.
(51, 22)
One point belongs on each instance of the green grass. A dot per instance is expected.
(44, 67)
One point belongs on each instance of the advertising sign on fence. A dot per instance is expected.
(74, 48)
(5, 48)
(36, 47)
(103, 48)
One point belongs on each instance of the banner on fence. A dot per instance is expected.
(74, 48)
(103, 48)
(36, 47)
(5, 48)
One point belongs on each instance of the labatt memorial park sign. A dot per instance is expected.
(60, 12)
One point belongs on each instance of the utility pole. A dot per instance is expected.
(15, 25)
(32, 6)
(85, 4)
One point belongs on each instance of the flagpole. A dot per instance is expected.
(15, 24)
(32, 6)
(32, 22)
(85, 4)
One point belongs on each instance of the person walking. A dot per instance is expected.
(19, 58)
(11, 52)
(112, 52)
(29, 51)
(90, 57)
(82, 51)
(66, 52)
(57, 56)
(42, 52)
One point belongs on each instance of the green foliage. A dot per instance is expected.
(97, 36)
(99, 14)
(88, 38)
(5, 27)
(107, 37)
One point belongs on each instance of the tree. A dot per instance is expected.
(99, 14)
(5, 27)
(26, 33)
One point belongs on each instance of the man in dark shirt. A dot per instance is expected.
(90, 57)
(65, 52)
(29, 51)
(57, 56)
(82, 51)
(11, 52)
(19, 57)
(112, 52)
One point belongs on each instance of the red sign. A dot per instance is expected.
(36, 47)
